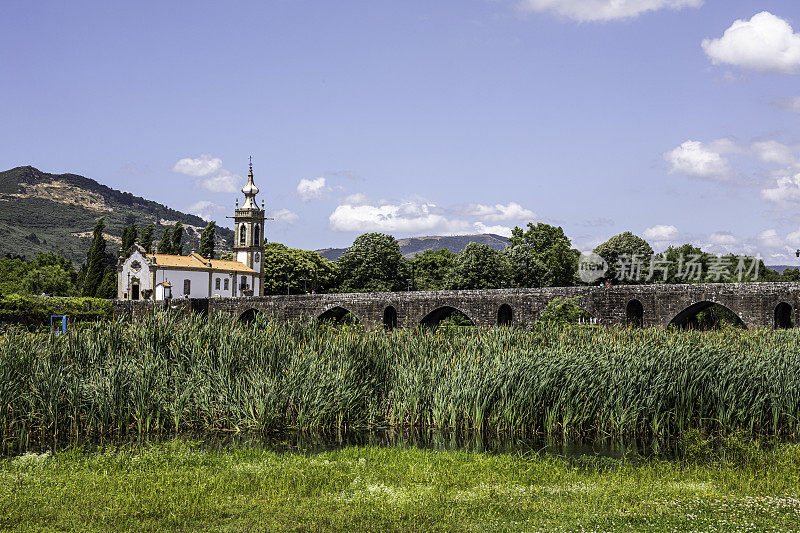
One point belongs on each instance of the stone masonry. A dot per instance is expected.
(658, 305)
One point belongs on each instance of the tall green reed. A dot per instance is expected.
(167, 373)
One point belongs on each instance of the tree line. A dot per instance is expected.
(540, 255)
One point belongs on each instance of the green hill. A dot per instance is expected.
(41, 212)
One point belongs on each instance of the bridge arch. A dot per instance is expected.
(337, 314)
(505, 315)
(248, 316)
(435, 317)
(783, 316)
(713, 313)
(389, 318)
(569, 309)
(634, 313)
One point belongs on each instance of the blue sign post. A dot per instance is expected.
(58, 324)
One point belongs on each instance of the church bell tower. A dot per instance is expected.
(248, 241)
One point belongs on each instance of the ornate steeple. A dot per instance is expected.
(250, 190)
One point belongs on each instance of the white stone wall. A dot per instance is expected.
(128, 274)
(198, 279)
(221, 292)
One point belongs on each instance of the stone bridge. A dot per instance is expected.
(766, 305)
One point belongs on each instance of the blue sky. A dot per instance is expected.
(678, 120)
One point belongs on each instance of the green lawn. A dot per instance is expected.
(181, 486)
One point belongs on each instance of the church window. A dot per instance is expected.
(256, 231)
(257, 257)
(242, 235)
(187, 286)
(226, 284)
(216, 285)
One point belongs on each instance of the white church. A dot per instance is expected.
(144, 275)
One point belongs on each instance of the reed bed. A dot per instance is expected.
(170, 374)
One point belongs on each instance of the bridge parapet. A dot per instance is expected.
(756, 304)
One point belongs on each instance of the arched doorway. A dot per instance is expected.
(505, 315)
(634, 314)
(707, 315)
(451, 314)
(338, 315)
(389, 318)
(784, 316)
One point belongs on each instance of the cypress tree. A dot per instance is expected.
(95, 260)
(146, 240)
(177, 236)
(165, 246)
(108, 287)
(207, 240)
(129, 236)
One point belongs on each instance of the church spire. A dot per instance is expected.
(250, 190)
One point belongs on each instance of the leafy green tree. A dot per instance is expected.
(146, 240)
(129, 236)
(563, 311)
(371, 264)
(526, 268)
(227, 256)
(622, 253)
(303, 270)
(690, 264)
(207, 240)
(791, 274)
(177, 238)
(95, 261)
(51, 280)
(12, 272)
(553, 249)
(479, 266)
(430, 269)
(108, 287)
(165, 245)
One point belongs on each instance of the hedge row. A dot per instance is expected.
(33, 311)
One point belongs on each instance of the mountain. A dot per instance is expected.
(41, 212)
(416, 245)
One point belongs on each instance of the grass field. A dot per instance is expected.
(180, 486)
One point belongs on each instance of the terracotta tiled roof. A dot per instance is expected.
(195, 260)
(219, 264)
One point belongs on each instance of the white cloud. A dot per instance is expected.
(408, 217)
(697, 160)
(786, 190)
(769, 239)
(209, 169)
(722, 239)
(205, 209)
(793, 239)
(358, 198)
(500, 212)
(765, 43)
(774, 152)
(284, 216)
(661, 233)
(312, 189)
(222, 181)
(480, 227)
(604, 10)
(198, 166)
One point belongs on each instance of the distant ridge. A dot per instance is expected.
(41, 212)
(416, 245)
